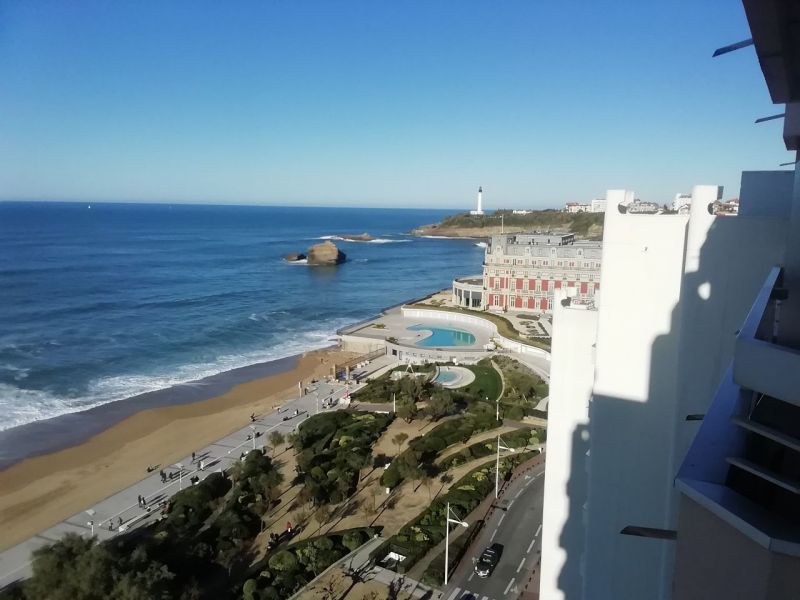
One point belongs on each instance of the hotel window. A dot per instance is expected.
(524, 285)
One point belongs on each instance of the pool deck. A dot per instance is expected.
(395, 325)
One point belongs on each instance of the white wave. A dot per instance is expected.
(481, 244)
(372, 241)
(302, 261)
(19, 406)
(447, 237)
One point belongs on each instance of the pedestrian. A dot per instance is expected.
(120, 521)
(193, 456)
(139, 501)
(144, 502)
(252, 417)
(202, 466)
(110, 525)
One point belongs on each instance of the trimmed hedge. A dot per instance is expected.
(333, 447)
(514, 439)
(422, 451)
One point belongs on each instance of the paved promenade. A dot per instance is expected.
(122, 512)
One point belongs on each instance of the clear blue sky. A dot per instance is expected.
(377, 103)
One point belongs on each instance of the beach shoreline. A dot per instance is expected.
(152, 429)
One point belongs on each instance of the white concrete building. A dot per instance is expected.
(575, 207)
(682, 203)
(598, 205)
(661, 346)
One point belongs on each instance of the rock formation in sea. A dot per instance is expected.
(358, 237)
(325, 253)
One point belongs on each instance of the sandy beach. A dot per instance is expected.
(39, 492)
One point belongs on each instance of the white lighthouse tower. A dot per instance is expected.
(479, 211)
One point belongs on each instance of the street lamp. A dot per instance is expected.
(180, 475)
(90, 523)
(253, 435)
(455, 521)
(316, 395)
(500, 446)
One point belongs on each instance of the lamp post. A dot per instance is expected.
(90, 523)
(180, 475)
(316, 395)
(253, 435)
(500, 446)
(455, 521)
(394, 402)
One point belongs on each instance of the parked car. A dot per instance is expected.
(488, 560)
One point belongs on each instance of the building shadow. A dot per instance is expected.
(623, 464)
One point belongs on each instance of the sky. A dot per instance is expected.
(377, 103)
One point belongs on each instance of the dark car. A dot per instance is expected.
(488, 560)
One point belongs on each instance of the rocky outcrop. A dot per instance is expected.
(294, 256)
(361, 237)
(325, 253)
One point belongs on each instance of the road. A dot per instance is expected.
(121, 512)
(518, 528)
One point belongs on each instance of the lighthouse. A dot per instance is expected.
(479, 210)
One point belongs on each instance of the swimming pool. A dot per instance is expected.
(446, 377)
(443, 336)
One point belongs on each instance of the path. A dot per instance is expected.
(120, 512)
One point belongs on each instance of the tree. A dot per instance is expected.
(276, 438)
(407, 410)
(250, 590)
(399, 440)
(323, 514)
(283, 561)
(427, 481)
(441, 405)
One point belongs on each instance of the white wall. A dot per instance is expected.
(571, 379)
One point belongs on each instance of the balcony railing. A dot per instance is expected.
(742, 463)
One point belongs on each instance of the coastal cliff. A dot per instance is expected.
(585, 225)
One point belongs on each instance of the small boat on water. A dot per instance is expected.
(481, 244)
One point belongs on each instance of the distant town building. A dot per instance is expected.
(521, 271)
(576, 207)
(598, 205)
(638, 207)
(682, 203)
(479, 210)
(521, 212)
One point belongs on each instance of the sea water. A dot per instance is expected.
(103, 302)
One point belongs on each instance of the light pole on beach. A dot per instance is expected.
(448, 521)
(500, 446)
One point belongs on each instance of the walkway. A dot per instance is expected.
(119, 513)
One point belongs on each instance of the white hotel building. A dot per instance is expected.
(673, 468)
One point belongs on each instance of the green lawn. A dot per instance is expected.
(487, 382)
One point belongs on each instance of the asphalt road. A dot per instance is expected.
(518, 528)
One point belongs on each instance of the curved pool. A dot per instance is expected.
(443, 336)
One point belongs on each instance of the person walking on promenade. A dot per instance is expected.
(193, 456)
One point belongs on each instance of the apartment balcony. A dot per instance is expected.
(744, 464)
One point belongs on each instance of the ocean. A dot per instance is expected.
(103, 302)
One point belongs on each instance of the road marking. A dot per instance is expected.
(491, 539)
(517, 494)
(471, 575)
(509, 505)
(538, 531)
(508, 587)
(485, 598)
(522, 562)
(533, 541)
(503, 516)
(454, 594)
